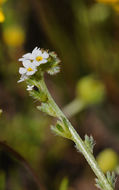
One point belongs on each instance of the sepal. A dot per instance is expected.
(38, 95)
(111, 178)
(89, 142)
(52, 66)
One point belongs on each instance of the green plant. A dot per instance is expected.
(34, 66)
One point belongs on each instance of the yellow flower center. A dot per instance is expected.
(29, 69)
(39, 58)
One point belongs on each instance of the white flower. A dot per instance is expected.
(27, 56)
(30, 87)
(28, 69)
(37, 57)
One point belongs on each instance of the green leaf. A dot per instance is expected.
(99, 184)
(111, 178)
(46, 108)
(61, 130)
(56, 131)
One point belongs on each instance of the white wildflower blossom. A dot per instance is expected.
(31, 61)
(30, 87)
(28, 69)
(37, 57)
(27, 56)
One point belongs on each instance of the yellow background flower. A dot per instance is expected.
(2, 17)
(108, 1)
(107, 160)
(13, 36)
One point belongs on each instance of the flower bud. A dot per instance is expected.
(90, 90)
(107, 160)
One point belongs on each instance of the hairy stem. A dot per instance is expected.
(78, 141)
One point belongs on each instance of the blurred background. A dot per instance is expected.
(85, 35)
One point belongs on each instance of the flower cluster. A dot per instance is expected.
(38, 60)
(31, 61)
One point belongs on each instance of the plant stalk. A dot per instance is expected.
(78, 141)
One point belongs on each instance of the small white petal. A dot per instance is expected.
(22, 78)
(34, 49)
(45, 55)
(36, 52)
(36, 63)
(43, 61)
(28, 63)
(30, 87)
(21, 59)
(22, 70)
(30, 72)
(27, 55)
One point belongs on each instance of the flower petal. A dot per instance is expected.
(27, 63)
(21, 59)
(30, 87)
(22, 70)
(22, 78)
(27, 55)
(43, 61)
(36, 63)
(30, 72)
(36, 52)
(45, 55)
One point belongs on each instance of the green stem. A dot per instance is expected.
(73, 108)
(78, 141)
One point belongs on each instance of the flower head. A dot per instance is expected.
(28, 69)
(37, 57)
